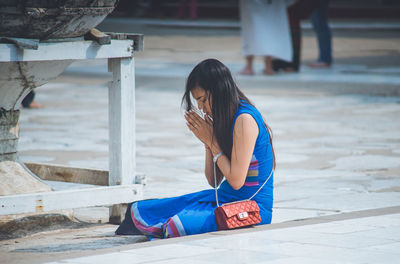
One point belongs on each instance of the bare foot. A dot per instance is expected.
(319, 65)
(269, 71)
(246, 71)
(289, 69)
(35, 105)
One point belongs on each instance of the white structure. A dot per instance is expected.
(122, 145)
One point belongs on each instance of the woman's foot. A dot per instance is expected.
(319, 65)
(246, 71)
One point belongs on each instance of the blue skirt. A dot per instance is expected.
(183, 215)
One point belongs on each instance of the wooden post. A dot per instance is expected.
(122, 137)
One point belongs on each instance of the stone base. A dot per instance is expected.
(14, 177)
(16, 180)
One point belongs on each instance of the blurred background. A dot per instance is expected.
(353, 20)
(229, 9)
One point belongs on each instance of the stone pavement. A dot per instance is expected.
(328, 144)
(350, 239)
(336, 135)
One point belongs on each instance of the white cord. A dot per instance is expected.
(272, 170)
(217, 156)
(215, 179)
(215, 182)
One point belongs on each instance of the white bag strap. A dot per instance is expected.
(215, 173)
(216, 187)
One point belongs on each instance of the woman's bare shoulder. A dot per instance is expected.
(246, 123)
(245, 118)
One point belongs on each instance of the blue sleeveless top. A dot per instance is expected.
(260, 166)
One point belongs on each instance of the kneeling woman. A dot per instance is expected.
(233, 131)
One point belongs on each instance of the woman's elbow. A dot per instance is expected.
(236, 185)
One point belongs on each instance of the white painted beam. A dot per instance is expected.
(57, 200)
(72, 50)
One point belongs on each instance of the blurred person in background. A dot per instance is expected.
(29, 102)
(300, 10)
(265, 32)
(192, 9)
(319, 20)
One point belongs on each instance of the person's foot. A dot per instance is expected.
(269, 71)
(289, 70)
(35, 105)
(246, 71)
(319, 65)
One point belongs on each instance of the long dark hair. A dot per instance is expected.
(215, 78)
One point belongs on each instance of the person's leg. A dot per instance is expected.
(127, 226)
(268, 66)
(278, 64)
(296, 42)
(248, 69)
(26, 103)
(319, 20)
(193, 9)
(29, 102)
(296, 12)
(181, 9)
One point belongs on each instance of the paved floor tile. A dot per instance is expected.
(238, 256)
(391, 248)
(322, 252)
(392, 220)
(392, 233)
(119, 258)
(244, 241)
(182, 261)
(340, 228)
(303, 260)
(171, 251)
(350, 240)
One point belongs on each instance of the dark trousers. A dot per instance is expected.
(319, 20)
(28, 99)
(300, 10)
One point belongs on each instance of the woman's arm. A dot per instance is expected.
(203, 130)
(244, 139)
(245, 135)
